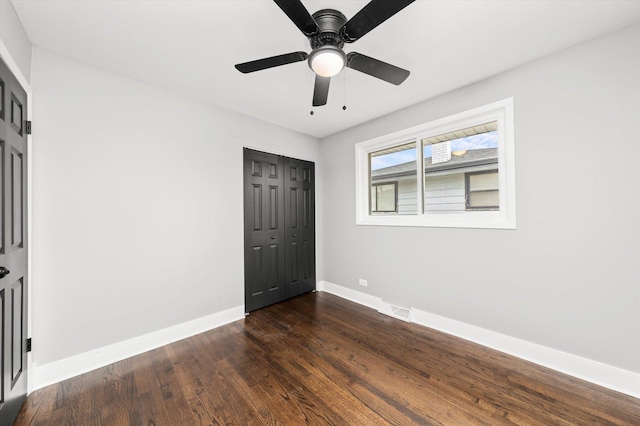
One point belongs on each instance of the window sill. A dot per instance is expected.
(480, 220)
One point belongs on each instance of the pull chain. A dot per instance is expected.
(344, 93)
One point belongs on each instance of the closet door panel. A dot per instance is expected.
(263, 229)
(300, 227)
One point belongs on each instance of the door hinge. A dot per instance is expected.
(28, 127)
(29, 344)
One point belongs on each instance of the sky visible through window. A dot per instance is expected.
(481, 141)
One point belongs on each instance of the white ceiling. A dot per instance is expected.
(191, 47)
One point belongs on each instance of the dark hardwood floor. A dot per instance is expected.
(319, 359)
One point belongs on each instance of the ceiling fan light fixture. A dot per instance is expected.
(327, 60)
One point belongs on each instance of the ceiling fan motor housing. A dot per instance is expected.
(329, 22)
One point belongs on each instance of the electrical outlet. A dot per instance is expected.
(363, 283)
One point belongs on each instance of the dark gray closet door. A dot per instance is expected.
(279, 228)
(263, 229)
(299, 222)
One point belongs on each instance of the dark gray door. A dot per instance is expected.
(263, 229)
(13, 251)
(279, 228)
(299, 198)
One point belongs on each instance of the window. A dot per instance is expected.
(482, 190)
(384, 197)
(397, 166)
(458, 171)
(449, 158)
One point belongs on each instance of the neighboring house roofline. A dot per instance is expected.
(472, 158)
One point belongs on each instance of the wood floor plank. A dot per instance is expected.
(318, 359)
(377, 342)
(388, 376)
(283, 388)
(38, 407)
(483, 380)
(285, 360)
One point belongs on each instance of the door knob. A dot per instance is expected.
(273, 237)
(3, 272)
(294, 235)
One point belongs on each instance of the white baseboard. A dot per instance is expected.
(47, 374)
(605, 375)
(353, 295)
(596, 372)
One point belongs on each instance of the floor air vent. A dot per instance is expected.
(403, 314)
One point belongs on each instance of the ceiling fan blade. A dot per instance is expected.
(299, 15)
(376, 68)
(274, 61)
(370, 16)
(321, 90)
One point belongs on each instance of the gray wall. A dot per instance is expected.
(568, 277)
(137, 206)
(14, 38)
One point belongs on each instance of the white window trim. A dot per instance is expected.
(502, 112)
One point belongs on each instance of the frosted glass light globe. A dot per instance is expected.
(327, 61)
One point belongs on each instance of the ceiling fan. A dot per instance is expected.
(328, 30)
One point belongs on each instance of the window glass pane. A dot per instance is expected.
(449, 157)
(393, 180)
(483, 199)
(483, 190)
(384, 198)
(483, 181)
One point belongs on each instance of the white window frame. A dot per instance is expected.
(505, 218)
